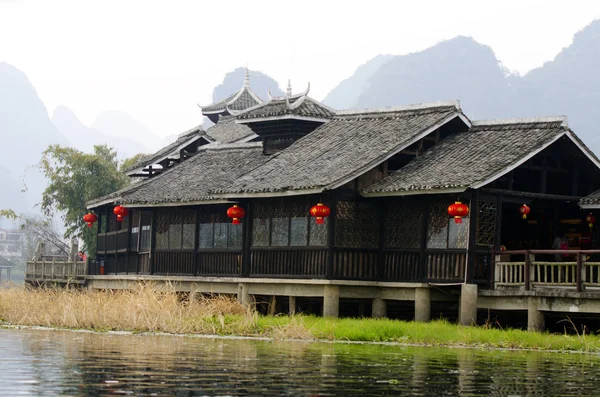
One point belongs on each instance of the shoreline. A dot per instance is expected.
(273, 339)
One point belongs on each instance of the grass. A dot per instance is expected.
(147, 309)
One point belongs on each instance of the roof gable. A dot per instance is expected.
(302, 107)
(474, 158)
(172, 150)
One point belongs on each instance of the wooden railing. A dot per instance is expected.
(355, 264)
(573, 269)
(284, 262)
(446, 265)
(174, 262)
(219, 263)
(57, 271)
(401, 265)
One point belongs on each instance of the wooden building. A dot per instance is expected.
(388, 176)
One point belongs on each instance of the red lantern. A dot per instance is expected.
(524, 210)
(590, 219)
(458, 210)
(90, 218)
(236, 213)
(320, 211)
(120, 212)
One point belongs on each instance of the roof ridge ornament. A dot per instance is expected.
(247, 78)
(289, 89)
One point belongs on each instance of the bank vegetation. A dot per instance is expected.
(147, 309)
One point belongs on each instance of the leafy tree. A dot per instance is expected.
(74, 179)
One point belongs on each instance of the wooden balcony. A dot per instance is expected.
(63, 272)
(538, 269)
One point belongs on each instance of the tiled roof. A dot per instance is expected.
(192, 180)
(468, 159)
(302, 106)
(592, 199)
(241, 100)
(227, 130)
(343, 148)
(182, 140)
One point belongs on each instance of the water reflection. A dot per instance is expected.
(39, 362)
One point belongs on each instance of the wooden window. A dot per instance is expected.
(145, 231)
(286, 223)
(173, 229)
(217, 232)
(403, 223)
(356, 225)
(442, 231)
(135, 230)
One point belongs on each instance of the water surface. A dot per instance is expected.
(51, 363)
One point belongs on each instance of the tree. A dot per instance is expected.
(74, 179)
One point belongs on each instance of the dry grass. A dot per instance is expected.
(144, 309)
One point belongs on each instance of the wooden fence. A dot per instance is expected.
(574, 269)
(56, 271)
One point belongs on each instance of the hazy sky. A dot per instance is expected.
(157, 59)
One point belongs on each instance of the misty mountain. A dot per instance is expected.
(345, 94)
(12, 197)
(463, 69)
(26, 131)
(85, 138)
(259, 83)
(119, 124)
(570, 85)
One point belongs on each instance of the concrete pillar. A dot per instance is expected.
(243, 296)
(422, 304)
(331, 301)
(535, 317)
(379, 308)
(468, 304)
(292, 305)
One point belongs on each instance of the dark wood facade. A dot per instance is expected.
(393, 239)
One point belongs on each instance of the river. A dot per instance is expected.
(51, 363)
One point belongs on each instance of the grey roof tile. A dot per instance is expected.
(343, 148)
(192, 180)
(227, 130)
(294, 106)
(241, 100)
(183, 139)
(469, 158)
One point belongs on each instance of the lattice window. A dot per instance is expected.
(442, 231)
(216, 230)
(403, 223)
(486, 223)
(356, 225)
(170, 227)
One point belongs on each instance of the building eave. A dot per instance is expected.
(415, 192)
(285, 193)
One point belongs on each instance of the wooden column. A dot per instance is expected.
(152, 240)
(498, 235)
(332, 203)
(422, 276)
(472, 247)
(197, 244)
(247, 240)
(381, 212)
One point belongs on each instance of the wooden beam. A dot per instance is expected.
(515, 193)
(422, 269)
(472, 244)
(332, 203)
(498, 236)
(247, 240)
